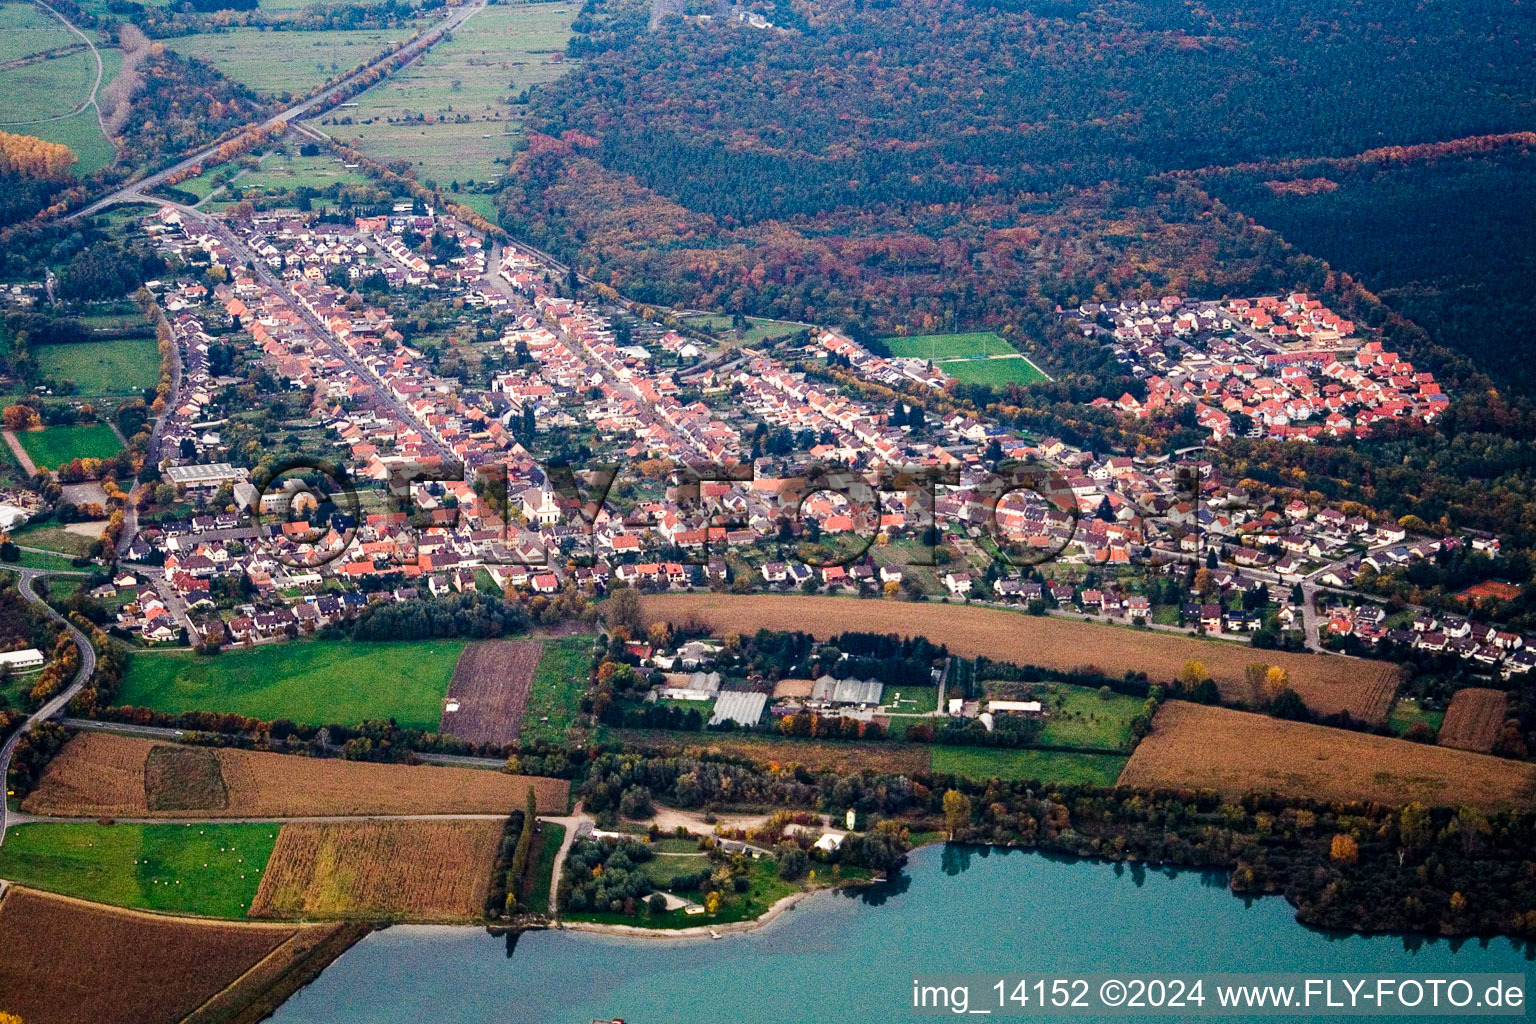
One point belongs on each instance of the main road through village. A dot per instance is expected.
(136, 191)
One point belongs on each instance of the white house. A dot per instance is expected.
(29, 658)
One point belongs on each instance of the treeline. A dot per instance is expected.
(510, 877)
(474, 615)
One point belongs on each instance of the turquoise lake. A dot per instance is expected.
(851, 958)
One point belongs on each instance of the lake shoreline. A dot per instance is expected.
(632, 931)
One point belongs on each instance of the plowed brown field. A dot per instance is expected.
(1235, 752)
(1473, 719)
(1328, 683)
(104, 775)
(490, 685)
(66, 961)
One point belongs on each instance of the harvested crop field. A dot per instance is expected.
(818, 755)
(399, 870)
(1327, 683)
(1473, 719)
(1235, 752)
(106, 775)
(490, 686)
(65, 961)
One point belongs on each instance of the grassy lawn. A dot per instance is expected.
(123, 367)
(478, 74)
(189, 869)
(56, 446)
(315, 682)
(558, 684)
(292, 62)
(82, 134)
(15, 687)
(43, 560)
(54, 537)
(1043, 765)
(663, 871)
(758, 329)
(47, 86)
(282, 172)
(913, 700)
(1085, 719)
(1407, 712)
(767, 888)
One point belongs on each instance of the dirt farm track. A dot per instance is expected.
(1328, 683)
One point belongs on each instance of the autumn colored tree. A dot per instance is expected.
(1276, 679)
(31, 157)
(957, 812)
(1344, 849)
(1193, 674)
(20, 417)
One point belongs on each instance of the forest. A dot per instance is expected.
(1445, 240)
(883, 165)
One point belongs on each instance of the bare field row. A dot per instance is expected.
(106, 775)
(66, 961)
(401, 870)
(1198, 747)
(1473, 719)
(1327, 683)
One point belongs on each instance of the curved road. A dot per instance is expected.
(133, 192)
(63, 697)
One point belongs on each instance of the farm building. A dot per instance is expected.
(693, 686)
(29, 658)
(847, 691)
(1032, 708)
(742, 708)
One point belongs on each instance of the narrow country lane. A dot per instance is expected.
(60, 700)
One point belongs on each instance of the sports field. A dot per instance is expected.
(288, 62)
(478, 75)
(979, 357)
(55, 446)
(316, 682)
(99, 368)
(212, 870)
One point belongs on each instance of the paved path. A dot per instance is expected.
(14, 443)
(62, 698)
